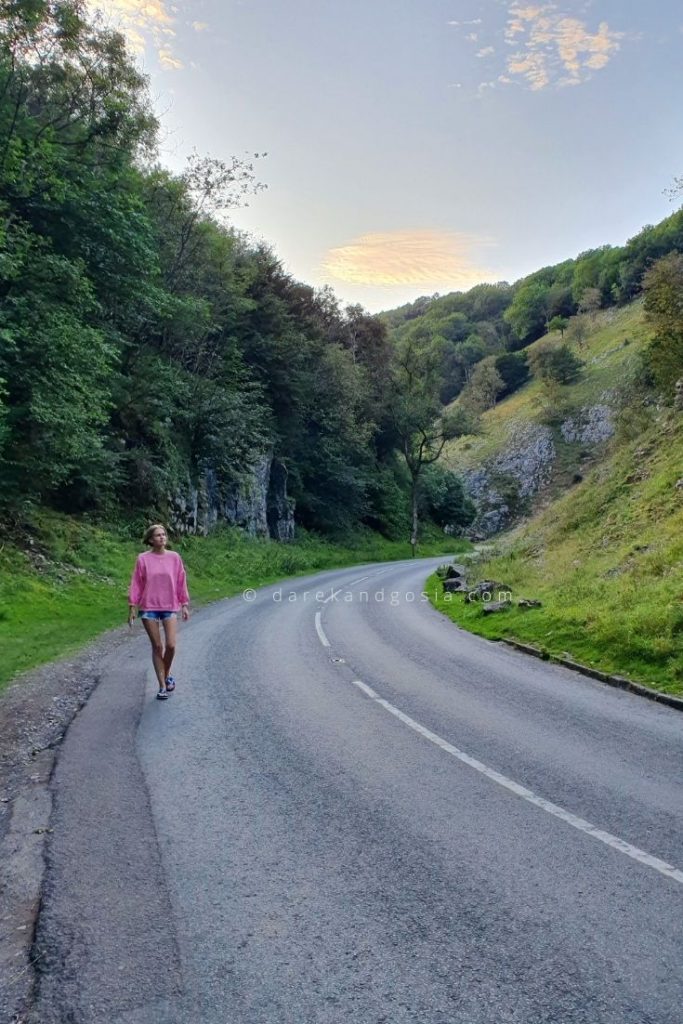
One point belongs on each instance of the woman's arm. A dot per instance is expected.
(181, 589)
(137, 588)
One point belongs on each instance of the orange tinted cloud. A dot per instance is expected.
(431, 258)
(556, 48)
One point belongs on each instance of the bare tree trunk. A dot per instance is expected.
(414, 527)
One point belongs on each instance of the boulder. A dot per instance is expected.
(495, 606)
(455, 587)
(490, 587)
(525, 602)
(455, 571)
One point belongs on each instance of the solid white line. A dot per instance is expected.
(526, 794)
(319, 626)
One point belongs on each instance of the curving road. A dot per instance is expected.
(352, 811)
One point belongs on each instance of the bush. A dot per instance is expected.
(554, 363)
(513, 367)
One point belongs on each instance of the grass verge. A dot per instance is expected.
(606, 560)
(67, 580)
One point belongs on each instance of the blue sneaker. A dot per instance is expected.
(170, 684)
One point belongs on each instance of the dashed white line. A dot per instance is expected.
(321, 633)
(668, 870)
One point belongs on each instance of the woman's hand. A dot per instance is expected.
(185, 612)
(131, 617)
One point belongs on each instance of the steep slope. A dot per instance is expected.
(532, 447)
(604, 555)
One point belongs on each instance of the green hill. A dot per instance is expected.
(603, 554)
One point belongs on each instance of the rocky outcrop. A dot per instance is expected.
(593, 425)
(502, 487)
(258, 503)
(279, 507)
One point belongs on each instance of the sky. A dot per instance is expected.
(423, 146)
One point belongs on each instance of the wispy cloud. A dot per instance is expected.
(546, 46)
(430, 258)
(554, 48)
(147, 24)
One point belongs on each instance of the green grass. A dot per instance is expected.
(609, 364)
(606, 560)
(67, 580)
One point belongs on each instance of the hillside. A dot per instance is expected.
(604, 554)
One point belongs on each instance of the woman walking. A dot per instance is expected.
(158, 589)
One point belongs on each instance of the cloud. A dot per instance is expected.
(429, 258)
(556, 48)
(145, 23)
(486, 51)
(200, 26)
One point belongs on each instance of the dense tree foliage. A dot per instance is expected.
(664, 311)
(142, 342)
(499, 319)
(444, 499)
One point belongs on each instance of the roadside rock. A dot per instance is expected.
(496, 606)
(455, 586)
(487, 589)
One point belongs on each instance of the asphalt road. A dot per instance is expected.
(351, 811)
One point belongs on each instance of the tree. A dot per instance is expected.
(421, 427)
(513, 367)
(590, 302)
(578, 329)
(663, 285)
(445, 499)
(484, 387)
(528, 313)
(558, 323)
(554, 363)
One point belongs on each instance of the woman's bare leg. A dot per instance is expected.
(170, 633)
(154, 634)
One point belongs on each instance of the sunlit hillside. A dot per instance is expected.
(605, 554)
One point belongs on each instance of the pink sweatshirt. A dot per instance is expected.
(158, 583)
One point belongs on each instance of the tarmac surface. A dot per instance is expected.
(352, 811)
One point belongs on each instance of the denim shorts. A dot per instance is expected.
(158, 615)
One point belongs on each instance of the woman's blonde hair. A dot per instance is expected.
(149, 532)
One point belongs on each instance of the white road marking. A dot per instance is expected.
(366, 689)
(668, 870)
(319, 626)
(333, 593)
